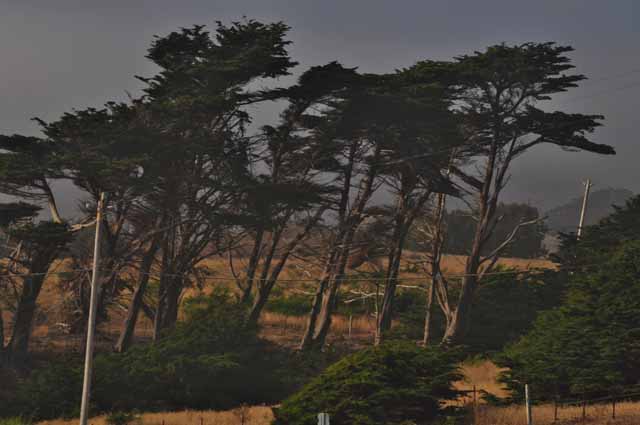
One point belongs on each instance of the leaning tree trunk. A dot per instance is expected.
(18, 346)
(307, 339)
(459, 322)
(393, 268)
(266, 285)
(252, 268)
(129, 325)
(329, 295)
(404, 221)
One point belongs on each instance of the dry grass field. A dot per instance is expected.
(259, 415)
(48, 335)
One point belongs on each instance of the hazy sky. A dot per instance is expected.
(61, 54)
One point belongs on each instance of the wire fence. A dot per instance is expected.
(599, 406)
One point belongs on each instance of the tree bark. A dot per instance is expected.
(386, 313)
(129, 325)
(329, 295)
(265, 287)
(253, 266)
(18, 346)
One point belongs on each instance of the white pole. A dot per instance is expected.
(583, 211)
(527, 399)
(88, 359)
(323, 419)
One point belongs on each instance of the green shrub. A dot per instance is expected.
(589, 343)
(123, 418)
(291, 305)
(212, 360)
(396, 383)
(15, 421)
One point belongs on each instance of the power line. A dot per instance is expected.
(311, 280)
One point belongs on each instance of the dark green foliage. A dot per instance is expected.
(590, 343)
(504, 309)
(291, 305)
(15, 421)
(12, 212)
(52, 392)
(395, 383)
(210, 361)
(527, 244)
(506, 305)
(122, 418)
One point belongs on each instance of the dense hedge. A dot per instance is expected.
(590, 343)
(396, 383)
(211, 361)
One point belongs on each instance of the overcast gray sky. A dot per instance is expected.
(64, 54)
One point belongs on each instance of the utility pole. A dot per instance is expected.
(583, 211)
(91, 325)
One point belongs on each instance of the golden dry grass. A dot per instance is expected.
(48, 336)
(483, 375)
(627, 413)
(257, 415)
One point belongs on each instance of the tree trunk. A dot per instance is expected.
(265, 286)
(253, 266)
(459, 322)
(404, 220)
(386, 314)
(329, 295)
(307, 339)
(18, 346)
(129, 325)
(169, 316)
(426, 337)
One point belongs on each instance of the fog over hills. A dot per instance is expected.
(564, 218)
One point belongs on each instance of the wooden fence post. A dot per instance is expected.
(613, 413)
(475, 405)
(584, 411)
(350, 324)
(527, 400)
(555, 409)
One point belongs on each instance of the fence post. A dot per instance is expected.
(527, 400)
(613, 413)
(323, 419)
(584, 410)
(555, 409)
(350, 324)
(475, 405)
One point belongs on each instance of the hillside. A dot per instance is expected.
(565, 218)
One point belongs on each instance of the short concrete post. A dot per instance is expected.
(323, 419)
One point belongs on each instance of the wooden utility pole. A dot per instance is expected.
(583, 211)
(93, 306)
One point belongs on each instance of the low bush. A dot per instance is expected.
(212, 360)
(589, 343)
(396, 383)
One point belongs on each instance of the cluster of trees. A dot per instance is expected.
(188, 177)
(590, 342)
(527, 243)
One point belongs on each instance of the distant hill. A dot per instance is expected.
(565, 217)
